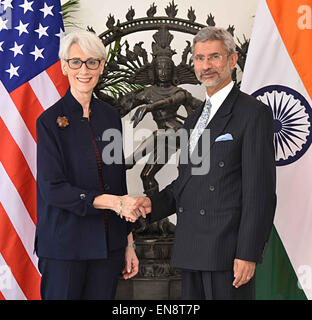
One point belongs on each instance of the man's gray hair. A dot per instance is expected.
(214, 33)
(88, 41)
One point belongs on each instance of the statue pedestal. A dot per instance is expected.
(156, 280)
(149, 289)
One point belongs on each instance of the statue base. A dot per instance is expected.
(149, 289)
(156, 280)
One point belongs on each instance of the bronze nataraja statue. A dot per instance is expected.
(162, 98)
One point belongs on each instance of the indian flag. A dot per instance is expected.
(278, 72)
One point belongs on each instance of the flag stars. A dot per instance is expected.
(61, 34)
(37, 53)
(6, 4)
(3, 24)
(27, 6)
(22, 28)
(12, 71)
(47, 10)
(17, 49)
(1, 43)
(42, 31)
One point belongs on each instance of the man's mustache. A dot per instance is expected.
(208, 72)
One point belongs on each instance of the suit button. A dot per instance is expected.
(202, 212)
(211, 188)
(180, 209)
(106, 187)
(221, 164)
(82, 196)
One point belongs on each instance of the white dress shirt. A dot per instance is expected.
(217, 99)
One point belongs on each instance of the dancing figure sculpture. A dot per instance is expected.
(162, 98)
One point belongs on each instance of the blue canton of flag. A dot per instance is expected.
(30, 33)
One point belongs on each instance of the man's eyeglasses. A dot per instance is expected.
(213, 58)
(91, 64)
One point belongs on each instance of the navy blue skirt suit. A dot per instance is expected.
(73, 238)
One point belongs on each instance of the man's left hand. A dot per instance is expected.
(243, 272)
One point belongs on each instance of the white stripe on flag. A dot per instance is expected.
(17, 213)
(8, 285)
(44, 89)
(268, 63)
(18, 129)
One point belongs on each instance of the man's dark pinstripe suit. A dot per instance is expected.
(227, 213)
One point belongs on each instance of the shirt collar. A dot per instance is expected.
(218, 98)
(73, 105)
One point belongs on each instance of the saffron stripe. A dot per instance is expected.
(297, 41)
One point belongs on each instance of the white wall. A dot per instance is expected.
(239, 13)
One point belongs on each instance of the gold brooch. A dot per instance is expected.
(62, 122)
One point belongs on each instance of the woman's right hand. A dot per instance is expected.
(129, 207)
(133, 208)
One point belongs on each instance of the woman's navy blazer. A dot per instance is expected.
(68, 226)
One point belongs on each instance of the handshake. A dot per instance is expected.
(133, 208)
(130, 208)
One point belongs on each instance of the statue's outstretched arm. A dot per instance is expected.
(177, 98)
(128, 102)
(192, 103)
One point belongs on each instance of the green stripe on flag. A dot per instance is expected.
(275, 277)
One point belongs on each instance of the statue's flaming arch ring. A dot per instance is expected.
(144, 24)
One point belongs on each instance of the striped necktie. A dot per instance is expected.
(202, 124)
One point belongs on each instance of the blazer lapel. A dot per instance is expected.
(189, 125)
(216, 126)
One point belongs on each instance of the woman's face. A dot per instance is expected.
(82, 80)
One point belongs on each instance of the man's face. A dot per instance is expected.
(213, 67)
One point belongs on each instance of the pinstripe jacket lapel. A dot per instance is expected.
(216, 126)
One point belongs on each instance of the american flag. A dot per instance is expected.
(30, 81)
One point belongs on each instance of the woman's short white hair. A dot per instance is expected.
(88, 41)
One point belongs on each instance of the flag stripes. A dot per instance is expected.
(60, 82)
(31, 81)
(19, 96)
(17, 258)
(16, 125)
(20, 218)
(279, 56)
(18, 171)
(18, 178)
(11, 290)
(286, 19)
(44, 90)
